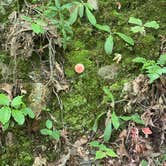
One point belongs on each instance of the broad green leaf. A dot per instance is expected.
(18, 116)
(115, 120)
(94, 144)
(37, 28)
(136, 118)
(56, 134)
(29, 112)
(153, 77)
(81, 11)
(102, 147)
(108, 131)
(73, 16)
(90, 17)
(136, 21)
(109, 43)
(46, 132)
(137, 29)
(126, 38)
(100, 155)
(4, 100)
(144, 163)
(163, 70)
(5, 114)
(17, 101)
(49, 124)
(95, 126)
(152, 24)
(105, 28)
(162, 60)
(111, 153)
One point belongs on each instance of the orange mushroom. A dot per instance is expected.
(146, 131)
(79, 68)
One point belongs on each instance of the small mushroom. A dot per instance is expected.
(146, 131)
(79, 68)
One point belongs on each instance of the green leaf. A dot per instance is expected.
(109, 43)
(94, 144)
(136, 21)
(139, 60)
(111, 153)
(115, 120)
(100, 155)
(5, 114)
(17, 101)
(27, 18)
(66, 6)
(137, 29)
(109, 94)
(144, 163)
(153, 77)
(125, 118)
(37, 28)
(152, 24)
(95, 126)
(46, 132)
(73, 16)
(90, 17)
(126, 38)
(56, 134)
(4, 100)
(162, 60)
(29, 112)
(136, 118)
(49, 124)
(18, 116)
(105, 28)
(108, 131)
(6, 126)
(81, 11)
(102, 147)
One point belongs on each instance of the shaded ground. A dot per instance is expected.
(80, 98)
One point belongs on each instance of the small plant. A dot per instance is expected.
(49, 131)
(80, 7)
(113, 121)
(153, 69)
(14, 109)
(102, 151)
(140, 27)
(55, 14)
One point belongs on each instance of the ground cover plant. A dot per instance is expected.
(82, 83)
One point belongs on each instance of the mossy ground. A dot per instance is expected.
(82, 102)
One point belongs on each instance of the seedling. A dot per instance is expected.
(49, 131)
(102, 151)
(140, 27)
(153, 69)
(14, 109)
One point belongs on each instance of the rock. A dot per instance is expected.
(108, 72)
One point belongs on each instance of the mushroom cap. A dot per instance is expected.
(146, 130)
(79, 68)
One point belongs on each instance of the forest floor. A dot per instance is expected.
(105, 113)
